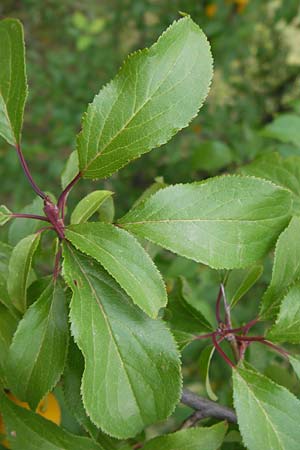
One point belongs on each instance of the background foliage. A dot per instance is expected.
(73, 48)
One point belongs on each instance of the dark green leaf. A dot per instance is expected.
(132, 374)
(30, 431)
(156, 93)
(204, 363)
(185, 321)
(249, 278)
(39, 347)
(13, 85)
(8, 325)
(225, 222)
(125, 259)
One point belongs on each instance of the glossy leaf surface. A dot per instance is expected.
(132, 375)
(267, 413)
(39, 347)
(156, 93)
(125, 259)
(225, 222)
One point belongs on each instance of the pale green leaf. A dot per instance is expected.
(204, 363)
(8, 325)
(156, 186)
(295, 363)
(19, 270)
(29, 431)
(249, 278)
(88, 206)
(225, 222)
(4, 215)
(38, 351)
(71, 169)
(106, 212)
(156, 93)
(204, 438)
(13, 85)
(132, 373)
(286, 268)
(287, 326)
(267, 413)
(125, 259)
(185, 321)
(282, 171)
(285, 128)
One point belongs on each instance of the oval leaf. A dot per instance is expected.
(88, 206)
(19, 270)
(8, 325)
(225, 222)
(132, 374)
(125, 259)
(30, 431)
(13, 85)
(156, 93)
(206, 438)
(267, 413)
(39, 347)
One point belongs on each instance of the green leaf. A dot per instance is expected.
(204, 363)
(295, 362)
(282, 171)
(30, 431)
(8, 325)
(287, 326)
(71, 169)
(71, 387)
(5, 254)
(225, 222)
(155, 187)
(39, 347)
(285, 128)
(267, 413)
(88, 206)
(132, 373)
(21, 228)
(204, 438)
(185, 321)
(286, 269)
(250, 277)
(13, 84)
(19, 270)
(106, 212)
(5, 215)
(125, 259)
(157, 92)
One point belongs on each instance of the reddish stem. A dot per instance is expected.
(221, 352)
(28, 174)
(205, 336)
(64, 195)
(218, 303)
(30, 216)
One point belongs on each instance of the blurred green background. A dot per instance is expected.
(75, 47)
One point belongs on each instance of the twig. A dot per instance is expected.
(28, 174)
(208, 408)
(64, 195)
(29, 216)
